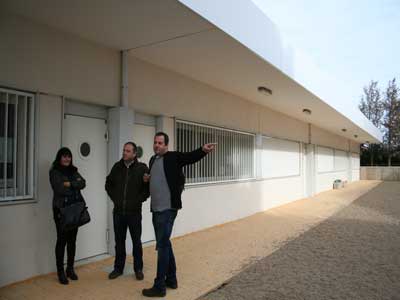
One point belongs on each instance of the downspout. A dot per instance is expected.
(124, 78)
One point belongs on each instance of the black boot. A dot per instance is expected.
(71, 273)
(171, 284)
(61, 277)
(153, 292)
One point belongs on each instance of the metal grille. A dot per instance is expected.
(16, 145)
(232, 160)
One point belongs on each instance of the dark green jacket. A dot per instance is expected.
(126, 188)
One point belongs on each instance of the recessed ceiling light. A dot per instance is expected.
(265, 91)
(307, 111)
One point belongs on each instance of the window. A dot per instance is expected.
(341, 160)
(325, 159)
(233, 158)
(331, 160)
(16, 145)
(280, 158)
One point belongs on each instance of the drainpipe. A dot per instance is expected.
(124, 78)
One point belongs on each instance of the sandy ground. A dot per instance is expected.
(208, 258)
(355, 254)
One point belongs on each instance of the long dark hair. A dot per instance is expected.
(64, 151)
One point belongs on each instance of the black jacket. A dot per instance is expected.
(62, 193)
(173, 163)
(126, 188)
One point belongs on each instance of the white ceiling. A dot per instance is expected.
(168, 34)
(118, 24)
(215, 58)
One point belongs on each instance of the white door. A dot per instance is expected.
(86, 137)
(143, 136)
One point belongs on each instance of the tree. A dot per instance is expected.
(372, 107)
(371, 104)
(391, 123)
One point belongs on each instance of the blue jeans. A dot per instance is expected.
(163, 223)
(121, 225)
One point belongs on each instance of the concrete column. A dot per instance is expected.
(124, 79)
(120, 131)
(311, 170)
(167, 125)
(258, 157)
(349, 165)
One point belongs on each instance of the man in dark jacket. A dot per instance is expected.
(166, 185)
(125, 187)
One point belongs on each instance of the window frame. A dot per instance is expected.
(29, 143)
(220, 159)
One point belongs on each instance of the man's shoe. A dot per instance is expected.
(62, 278)
(171, 285)
(114, 274)
(139, 275)
(71, 274)
(153, 292)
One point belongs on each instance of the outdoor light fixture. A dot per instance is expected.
(307, 111)
(264, 90)
(344, 129)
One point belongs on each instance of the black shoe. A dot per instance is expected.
(114, 274)
(171, 285)
(153, 292)
(62, 278)
(71, 274)
(139, 275)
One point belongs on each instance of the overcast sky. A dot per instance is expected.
(354, 41)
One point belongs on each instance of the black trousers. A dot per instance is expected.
(64, 239)
(121, 225)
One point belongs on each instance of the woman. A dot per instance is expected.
(66, 183)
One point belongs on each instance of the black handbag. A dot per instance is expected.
(74, 216)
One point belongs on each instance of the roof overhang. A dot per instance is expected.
(229, 45)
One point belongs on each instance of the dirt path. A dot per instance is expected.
(355, 254)
(208, 258)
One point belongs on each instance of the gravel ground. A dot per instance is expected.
(355, 254)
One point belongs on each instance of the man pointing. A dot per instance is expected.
(166, 185)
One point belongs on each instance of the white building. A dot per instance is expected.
(212, 71)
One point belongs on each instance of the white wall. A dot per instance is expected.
(216, 204)
(324, 138)
(55, 62)
(37, 58)
(157, 91)
(331, 164)
(27, 238)
(380, 173)
(34, 57)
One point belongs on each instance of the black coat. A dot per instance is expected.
(126, 188)
(62, 193)
(174, 161)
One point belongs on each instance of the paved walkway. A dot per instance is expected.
(211, 257)
(355, 254)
